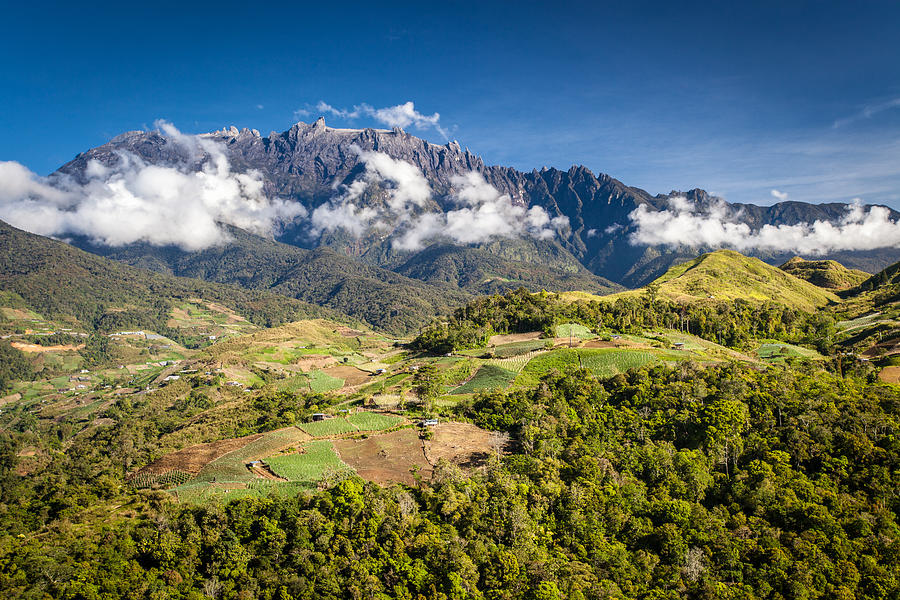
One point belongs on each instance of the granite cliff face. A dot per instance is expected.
(308, 162)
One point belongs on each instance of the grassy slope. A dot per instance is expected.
(828, 274)
(727, 275)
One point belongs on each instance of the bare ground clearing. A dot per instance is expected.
(351, 375)
(194, 458)
(315, 361)
(37, 348)
(509, 338)
(890, 375)
(386, 458)
(463, 444)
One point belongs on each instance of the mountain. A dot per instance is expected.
(309, 162)
(727, 275)
(828, 274)
(428, 284)
(63, 282)
(323, 277)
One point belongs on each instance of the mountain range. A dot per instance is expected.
(312, 164)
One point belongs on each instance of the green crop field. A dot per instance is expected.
(309, 465)
(514, 363)
(369, 421)
(488, 377)
(335, 426)
(233, 466)
(518, 348)
(778, 351)
(601, 362)
(574, 330)
(322, 382)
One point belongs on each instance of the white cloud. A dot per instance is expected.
(781, 196)
(406, 188)
(483, 213)
(401, 115)
(133, 201)
(683, 225)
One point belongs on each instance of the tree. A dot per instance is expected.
(427, 384)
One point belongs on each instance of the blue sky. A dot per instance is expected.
(799, 97)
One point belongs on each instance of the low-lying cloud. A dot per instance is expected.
(404, 185)
(683, 224)
(482, 213)
(402, 115)
(133, 201)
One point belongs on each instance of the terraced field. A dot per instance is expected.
(575, 330)
(232, 467)
(369, 421)
(778, 351)
(487, 377)
(309, 465)
(328, 427)
(601, 362)
(514, 363)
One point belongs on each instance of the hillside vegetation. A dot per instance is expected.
(62, 282)
(728, 275)
(526, 446)
(828, 274)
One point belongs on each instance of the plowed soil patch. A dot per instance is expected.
(509, 338)
(37, 348)
(599, 344)
(462, 444)
(194, 458)
(315, 361)
(350, 375)
(387, 458)
(890, 375)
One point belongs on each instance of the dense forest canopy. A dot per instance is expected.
(732, 323)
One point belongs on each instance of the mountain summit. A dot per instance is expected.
(349, 184)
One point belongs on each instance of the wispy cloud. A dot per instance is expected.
(780, 196)
(132, 201)
(683, 225)
(868, 112)
(402, 115)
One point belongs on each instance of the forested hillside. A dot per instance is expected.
(527, 445)
(98, 294)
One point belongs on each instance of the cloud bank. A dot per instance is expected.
(482, 212)
(402, 115)
(684, 225)
(133, 201)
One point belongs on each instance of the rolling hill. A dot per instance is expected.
(828, 274)
(727, 275)
(63, 282)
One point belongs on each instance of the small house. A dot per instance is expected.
(380, 371)
(319, 416)
(428, 423)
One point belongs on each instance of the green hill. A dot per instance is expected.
(728, 275)
(323, 276)
(828, 274)
(63, 282)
